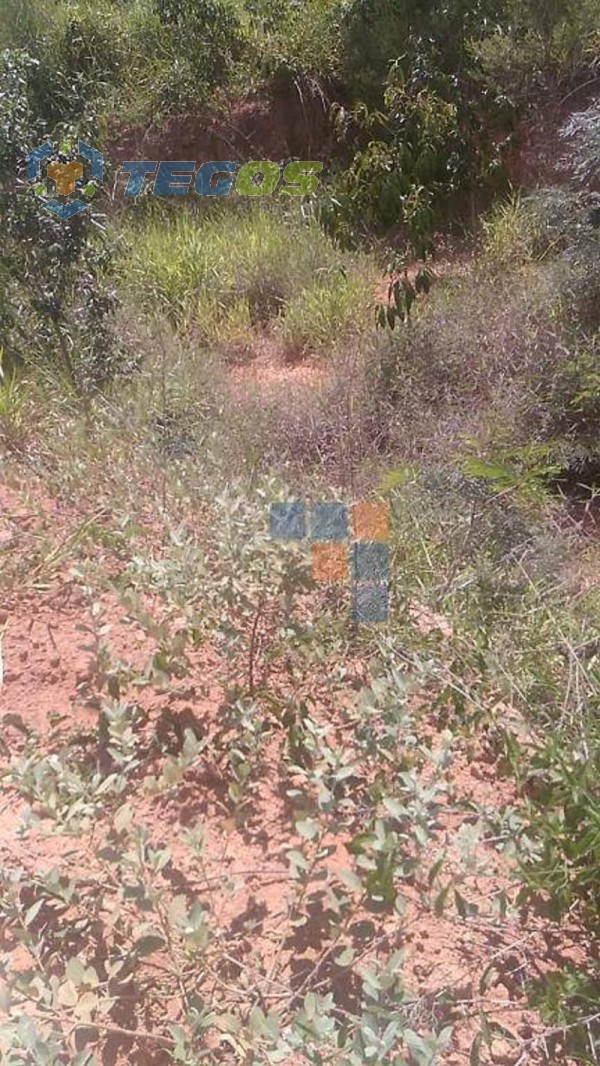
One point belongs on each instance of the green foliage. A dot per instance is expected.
(424, 147)
(137, 57)
(537, 46)
(230, 274)
(403, 293)
(562, 787)
(517, 325)
(425, 85)
(57, 303)
(14, 408)
(583, 131)
(379, 34)
(20, 23)
(335, 309)
(375, 771)
(58, 315)
(174, 937)
(300, 43)
(207, 41)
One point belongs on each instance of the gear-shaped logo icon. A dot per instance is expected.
(71, 177)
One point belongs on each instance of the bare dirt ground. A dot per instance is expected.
(269, 370)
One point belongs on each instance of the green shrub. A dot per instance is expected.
(418, 154)
(22, 23)
(537, 226)
(537, 46)
(130, 58)
(298, 42)
(417, 38)
(82, 55)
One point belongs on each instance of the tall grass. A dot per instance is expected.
(25, 21)
(240, 268)
(338, 307)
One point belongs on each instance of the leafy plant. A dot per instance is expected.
(58, 305)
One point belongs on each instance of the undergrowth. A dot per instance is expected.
(227, 838)
(486, 639)
(244, 268)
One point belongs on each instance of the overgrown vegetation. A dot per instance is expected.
(249, 827)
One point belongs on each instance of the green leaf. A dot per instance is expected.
(351, 880)
(475, 1057)
(177, 912)
(461, 903)
(227, 1023)
(440, 901)
(86, 1006)
(434, 871)
(123, 818)
(502, 476)
(147, 945)
(67, 994)
(394, 807)
(308, 828)
(75, 971)
(371, 981)
(32, 912)
(310, 1005)
(423, 281)
(258, 1021)
(487, 977)
(416, 1045)
(297, 859)
(346, 958)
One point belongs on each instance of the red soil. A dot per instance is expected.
(49, 689)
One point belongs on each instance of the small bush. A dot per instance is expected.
(508, 233)
(58, 301)
(538, 226)
(417, 154)
(535, 47)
